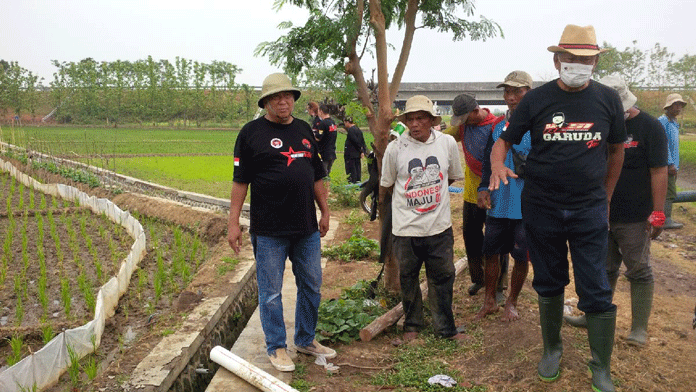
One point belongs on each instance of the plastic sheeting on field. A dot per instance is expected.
(44, 367)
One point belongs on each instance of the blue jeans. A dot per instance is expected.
(305, 255)
(550, 233)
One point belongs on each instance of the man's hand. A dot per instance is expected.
(324, 224)
(484, 200)
(500, 173)
(672, 170)
(656, 221)
(234, 237)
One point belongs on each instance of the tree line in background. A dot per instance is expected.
(655, 68)
(187, 92)
(182, 92)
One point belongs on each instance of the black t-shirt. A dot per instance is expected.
(646, 148)
(355, 143)
(326, 137)
(567, 165)
(281, 164)
(314, 121)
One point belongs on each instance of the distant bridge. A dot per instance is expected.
(442, 94)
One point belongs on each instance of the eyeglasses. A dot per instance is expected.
(571, 58)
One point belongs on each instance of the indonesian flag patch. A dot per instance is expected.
(236, 161)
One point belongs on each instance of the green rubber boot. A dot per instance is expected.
(551, 319)
(641, 305)
(600, 333)
(669, 222)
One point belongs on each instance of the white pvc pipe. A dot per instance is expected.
(248, 372)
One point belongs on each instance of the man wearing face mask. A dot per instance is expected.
(577, 128)
(636, 210)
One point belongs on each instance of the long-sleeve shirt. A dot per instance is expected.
(672, 132)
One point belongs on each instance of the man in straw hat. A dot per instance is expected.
(578, 131)
(636, 210)
(278, 156)
(504, 226)
(673, 108)
(421, 216)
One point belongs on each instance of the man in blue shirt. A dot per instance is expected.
(673, 107)
(504, 226)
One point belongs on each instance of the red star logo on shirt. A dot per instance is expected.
(292, 155)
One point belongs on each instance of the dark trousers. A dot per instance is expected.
(437, 253)
(550, 234)
(327, 165)
(353, 169)
(472, 229)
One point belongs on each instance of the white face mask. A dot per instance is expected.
(575, 74)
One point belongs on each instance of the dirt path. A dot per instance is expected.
(504, 356)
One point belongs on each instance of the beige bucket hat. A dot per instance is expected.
(517, 79)
(578, 40)
(672, 99)
(275, 83)
(420, 103)
(617, 83)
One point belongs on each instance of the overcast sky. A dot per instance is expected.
(34, 32)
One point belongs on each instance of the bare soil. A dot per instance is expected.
(502, 356)
(499, 357)
(180, 237)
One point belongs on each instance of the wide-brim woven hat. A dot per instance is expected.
(578, 40)
(617, 83)
(672, 99)
(275, 83)
(419, 103)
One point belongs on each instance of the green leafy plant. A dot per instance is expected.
(16, 344)
(343, 194)
(415, 364)
(47, 333)
(358, 247)
(340, 320)
(74, 366)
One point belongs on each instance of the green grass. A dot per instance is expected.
(210, 175)
(193, 170)
(687, 152)
(100, 141)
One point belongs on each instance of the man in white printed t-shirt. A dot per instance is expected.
(421, 216)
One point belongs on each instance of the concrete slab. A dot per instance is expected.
(251, 343)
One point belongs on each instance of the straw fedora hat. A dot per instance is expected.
(417, 103)
(672, 99)
(275, 83)
(577, 40)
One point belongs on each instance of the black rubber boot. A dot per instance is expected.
(641, 305)
(600, 333)
(551, 319)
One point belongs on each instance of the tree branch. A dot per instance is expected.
(410, 28)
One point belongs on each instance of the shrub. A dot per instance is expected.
(358, 247)
(340, 320)
(343, 195)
